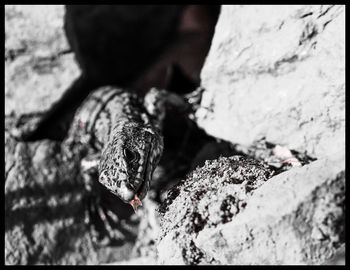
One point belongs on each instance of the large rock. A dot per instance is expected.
(277, 72)
(38, 65)
(225, 213)
(44, 213)
(297, 217)
(212, 194)
(44, 210)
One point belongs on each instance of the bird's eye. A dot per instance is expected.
(129, 155)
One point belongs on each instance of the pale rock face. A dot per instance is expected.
(38, 68)
(295, 218)
(278, 72)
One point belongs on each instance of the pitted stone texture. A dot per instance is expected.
(277, 72)
(44, 213)
(297, 217)
(211, 195)
(37, 69)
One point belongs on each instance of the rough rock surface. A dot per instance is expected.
(210, 195)
(43, 210)
(44, 217)
(277, 72)
(297, 217)
(38, 65)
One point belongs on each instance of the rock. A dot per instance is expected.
(212, 194)
(297, 217)
(277, 72)
(338, 258)
(145, 244)
(38, 65)
(216, 217)
(44, 217)
(44, 213)
(136, 261)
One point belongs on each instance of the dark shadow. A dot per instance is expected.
(41, 212)
(131, 47)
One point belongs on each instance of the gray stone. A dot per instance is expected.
(38, 66)
(44, 213)
(297, 217)
(212, 194)
(44, 210)
(277, 72)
